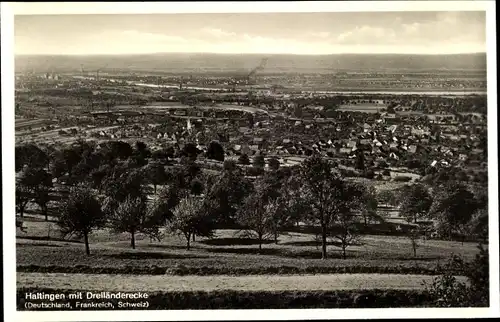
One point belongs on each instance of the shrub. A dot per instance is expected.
(383, 164)
(225, 270)
(402, 179)
(369, 174)
(254, 171)
(446, 291)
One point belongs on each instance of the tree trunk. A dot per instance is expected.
(45, 212)
(414, 251)
(194, 237)
(260, 242)
(366, 223)
(132, 239)
(323, 241)
(276, 237)
(86, 238)
(344, 256)
(155, 188)
(188, 238)
(21, 211)
(415, 219)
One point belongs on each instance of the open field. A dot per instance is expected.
(249, 109)
(23, 124)
(131, 283)
(226, 253)
(365, 108)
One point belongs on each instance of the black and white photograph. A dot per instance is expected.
(249, 160)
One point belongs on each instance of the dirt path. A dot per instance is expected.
(221, 282)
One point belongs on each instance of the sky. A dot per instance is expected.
(270, 33)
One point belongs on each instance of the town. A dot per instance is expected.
(253, 160)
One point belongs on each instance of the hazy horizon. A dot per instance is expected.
(326, 33)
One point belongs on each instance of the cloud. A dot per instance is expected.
(366, 35)
(448, 28)
(412, 28)
(451, 30)
(216, 32)
(321, 34)
(437, 33)
(149, 37)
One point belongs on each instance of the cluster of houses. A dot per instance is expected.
(387, 138)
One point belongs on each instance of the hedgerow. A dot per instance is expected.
(227, 270)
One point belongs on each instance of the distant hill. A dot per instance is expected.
(245, 62)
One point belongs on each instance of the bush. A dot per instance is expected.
(383, 164)
(446, 291)
(386, 172)
(224, 270)
(349, 173)
(402, 179)
(369, 174)
(254, 171)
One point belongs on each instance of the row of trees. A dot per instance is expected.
(313, 193)
(456, 211)
(194, 203)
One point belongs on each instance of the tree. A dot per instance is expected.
(132, 216)
(277, 218)
(117, 150)
(71, 158)
(230, 165)
(415, 202)
(291, 202)
(453, 208)
(189, 218)
(24, 194)
(166, 201)
(253, 216)
(262, 212)
(244, 159)
(215, 151)
(274, 164)
(190, 151)
(142, 149)
(360, 160)
(121, 184)
(32, 184)
(446, 291)
(226, 195)
(41, 191)
(346, 231)
(327, 195)
(478, 274)
(30, 155)
(478, 225)
(388, 197)
(414, 237)
(370, 205)
(156, 174)
(259, 161)
(97, 177)
(81, 214)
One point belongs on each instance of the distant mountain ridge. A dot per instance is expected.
(276, 63)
